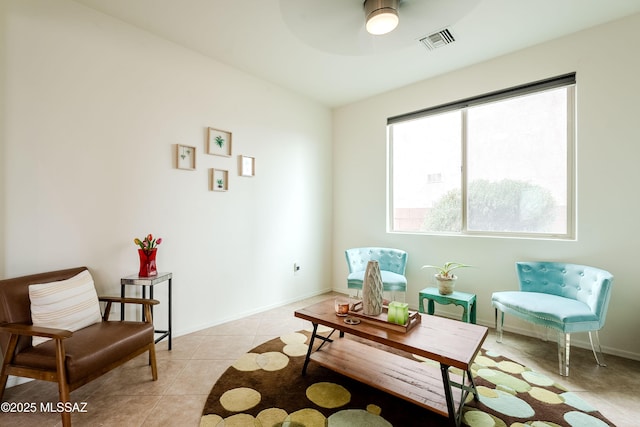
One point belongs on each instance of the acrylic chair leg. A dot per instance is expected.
(595, 346)
(564, 345)
(499, 324)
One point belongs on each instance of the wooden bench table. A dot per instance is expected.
(448, 342)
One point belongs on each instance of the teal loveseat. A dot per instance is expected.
(565, 297)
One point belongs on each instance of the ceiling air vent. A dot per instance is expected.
(436, 40)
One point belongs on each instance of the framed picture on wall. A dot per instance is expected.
(185, 157)
(219, 180)
(247, 166)
(218, 142)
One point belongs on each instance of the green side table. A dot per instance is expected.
(465, 300)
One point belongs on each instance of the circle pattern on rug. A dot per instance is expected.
(294, 350)
(356, 417)
(239, 420)
(272, 361)
(505, 403)
(307, 418)
(247, 362)
(537, 378)
(294, 338)
(574, 401)
(240, 399)
(272, 416)
(580, 419)
(484, 361)
(502, 378)
(475, 418)
(545, 396)
(510, 367)
(374, 409)
(328, 395)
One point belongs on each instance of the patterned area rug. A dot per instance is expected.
(265, 388)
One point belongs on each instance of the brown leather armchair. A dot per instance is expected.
(71, 359)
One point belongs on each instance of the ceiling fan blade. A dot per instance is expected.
(337, 26)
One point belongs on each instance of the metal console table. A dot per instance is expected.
(150, 282)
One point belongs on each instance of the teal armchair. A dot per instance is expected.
(393, 263)
(565, 297)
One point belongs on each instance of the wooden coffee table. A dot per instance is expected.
(450, 343)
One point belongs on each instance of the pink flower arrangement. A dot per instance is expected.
(148, 243)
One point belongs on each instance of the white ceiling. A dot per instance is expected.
(318, 48)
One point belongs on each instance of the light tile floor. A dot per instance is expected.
(128, 397)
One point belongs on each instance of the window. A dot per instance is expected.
(498, 164)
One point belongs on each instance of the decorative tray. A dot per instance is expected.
(381, 319)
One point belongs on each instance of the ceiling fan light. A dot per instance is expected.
(381, 15)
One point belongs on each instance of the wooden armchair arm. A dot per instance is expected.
(16, 330)
(146, 303)
(34, 331)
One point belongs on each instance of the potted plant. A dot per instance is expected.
(446, 279)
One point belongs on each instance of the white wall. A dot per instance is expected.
(3, 66)
(607, 66)
(93, 110)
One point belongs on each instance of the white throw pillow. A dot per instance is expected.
(70, 304)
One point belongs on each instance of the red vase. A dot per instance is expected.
(147, 262)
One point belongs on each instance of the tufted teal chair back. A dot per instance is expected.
(586, 284)
(393, 260)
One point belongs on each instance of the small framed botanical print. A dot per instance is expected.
(185, 157)
(219, 180)
(219, 142)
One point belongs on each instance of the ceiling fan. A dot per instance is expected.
(338, 26)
